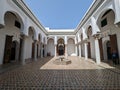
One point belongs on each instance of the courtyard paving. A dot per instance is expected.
(46, 75)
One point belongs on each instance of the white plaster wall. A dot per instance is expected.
(28, 47)
(71, 47)
(51, 47)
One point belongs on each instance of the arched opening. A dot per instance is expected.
(71, 47)
(50, 47)
(11, 34)
(89, 35)
(30, 44)
(109, 32)
(60, 47)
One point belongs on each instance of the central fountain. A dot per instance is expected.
(61, 60)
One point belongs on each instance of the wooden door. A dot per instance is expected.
(89, 50)
(101, 49)
(7, 51)
(113, 42)
(33, 48)
(20, 47)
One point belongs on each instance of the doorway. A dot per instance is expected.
(60, 47)
(61, 50)
(109, 54)
(33, 48)
(13, 51)
(89, 50)
(7, 50)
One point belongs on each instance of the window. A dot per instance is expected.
(17, 24)
(104, 22)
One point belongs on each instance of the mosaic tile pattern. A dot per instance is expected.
(31, 77)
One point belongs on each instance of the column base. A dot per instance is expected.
(98, 63)
(23, 63)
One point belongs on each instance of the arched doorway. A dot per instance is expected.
(89, 35)
(11, 33)
(30, 44)
(61, 47)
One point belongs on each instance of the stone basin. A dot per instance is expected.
(61, 60)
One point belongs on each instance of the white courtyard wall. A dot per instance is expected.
(51, 47)
(70, 47)
(28, 47)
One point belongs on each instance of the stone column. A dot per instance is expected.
(55, 43)
(76, 50)
(22, 57)
(35, 50)
(55, 51)
(66, 54)
(86, 51)
(117, 13)
(2, 22)
(41, 50)
(97, 50)
(96, 32)
(80, 51)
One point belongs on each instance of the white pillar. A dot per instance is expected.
(86, 51)
(97, 51)
(22, 57)
(55, 51)
(35, 50)
(2, 13)
(41, 50)
(80, 51)
(76, 50)
(66, 54)
(117, 13)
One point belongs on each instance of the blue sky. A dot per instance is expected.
(59, 14)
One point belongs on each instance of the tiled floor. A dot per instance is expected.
(45, 75)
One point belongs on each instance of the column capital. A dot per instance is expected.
(97, 36)
(22, 36)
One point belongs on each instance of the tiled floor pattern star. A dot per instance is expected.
(37, 76)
